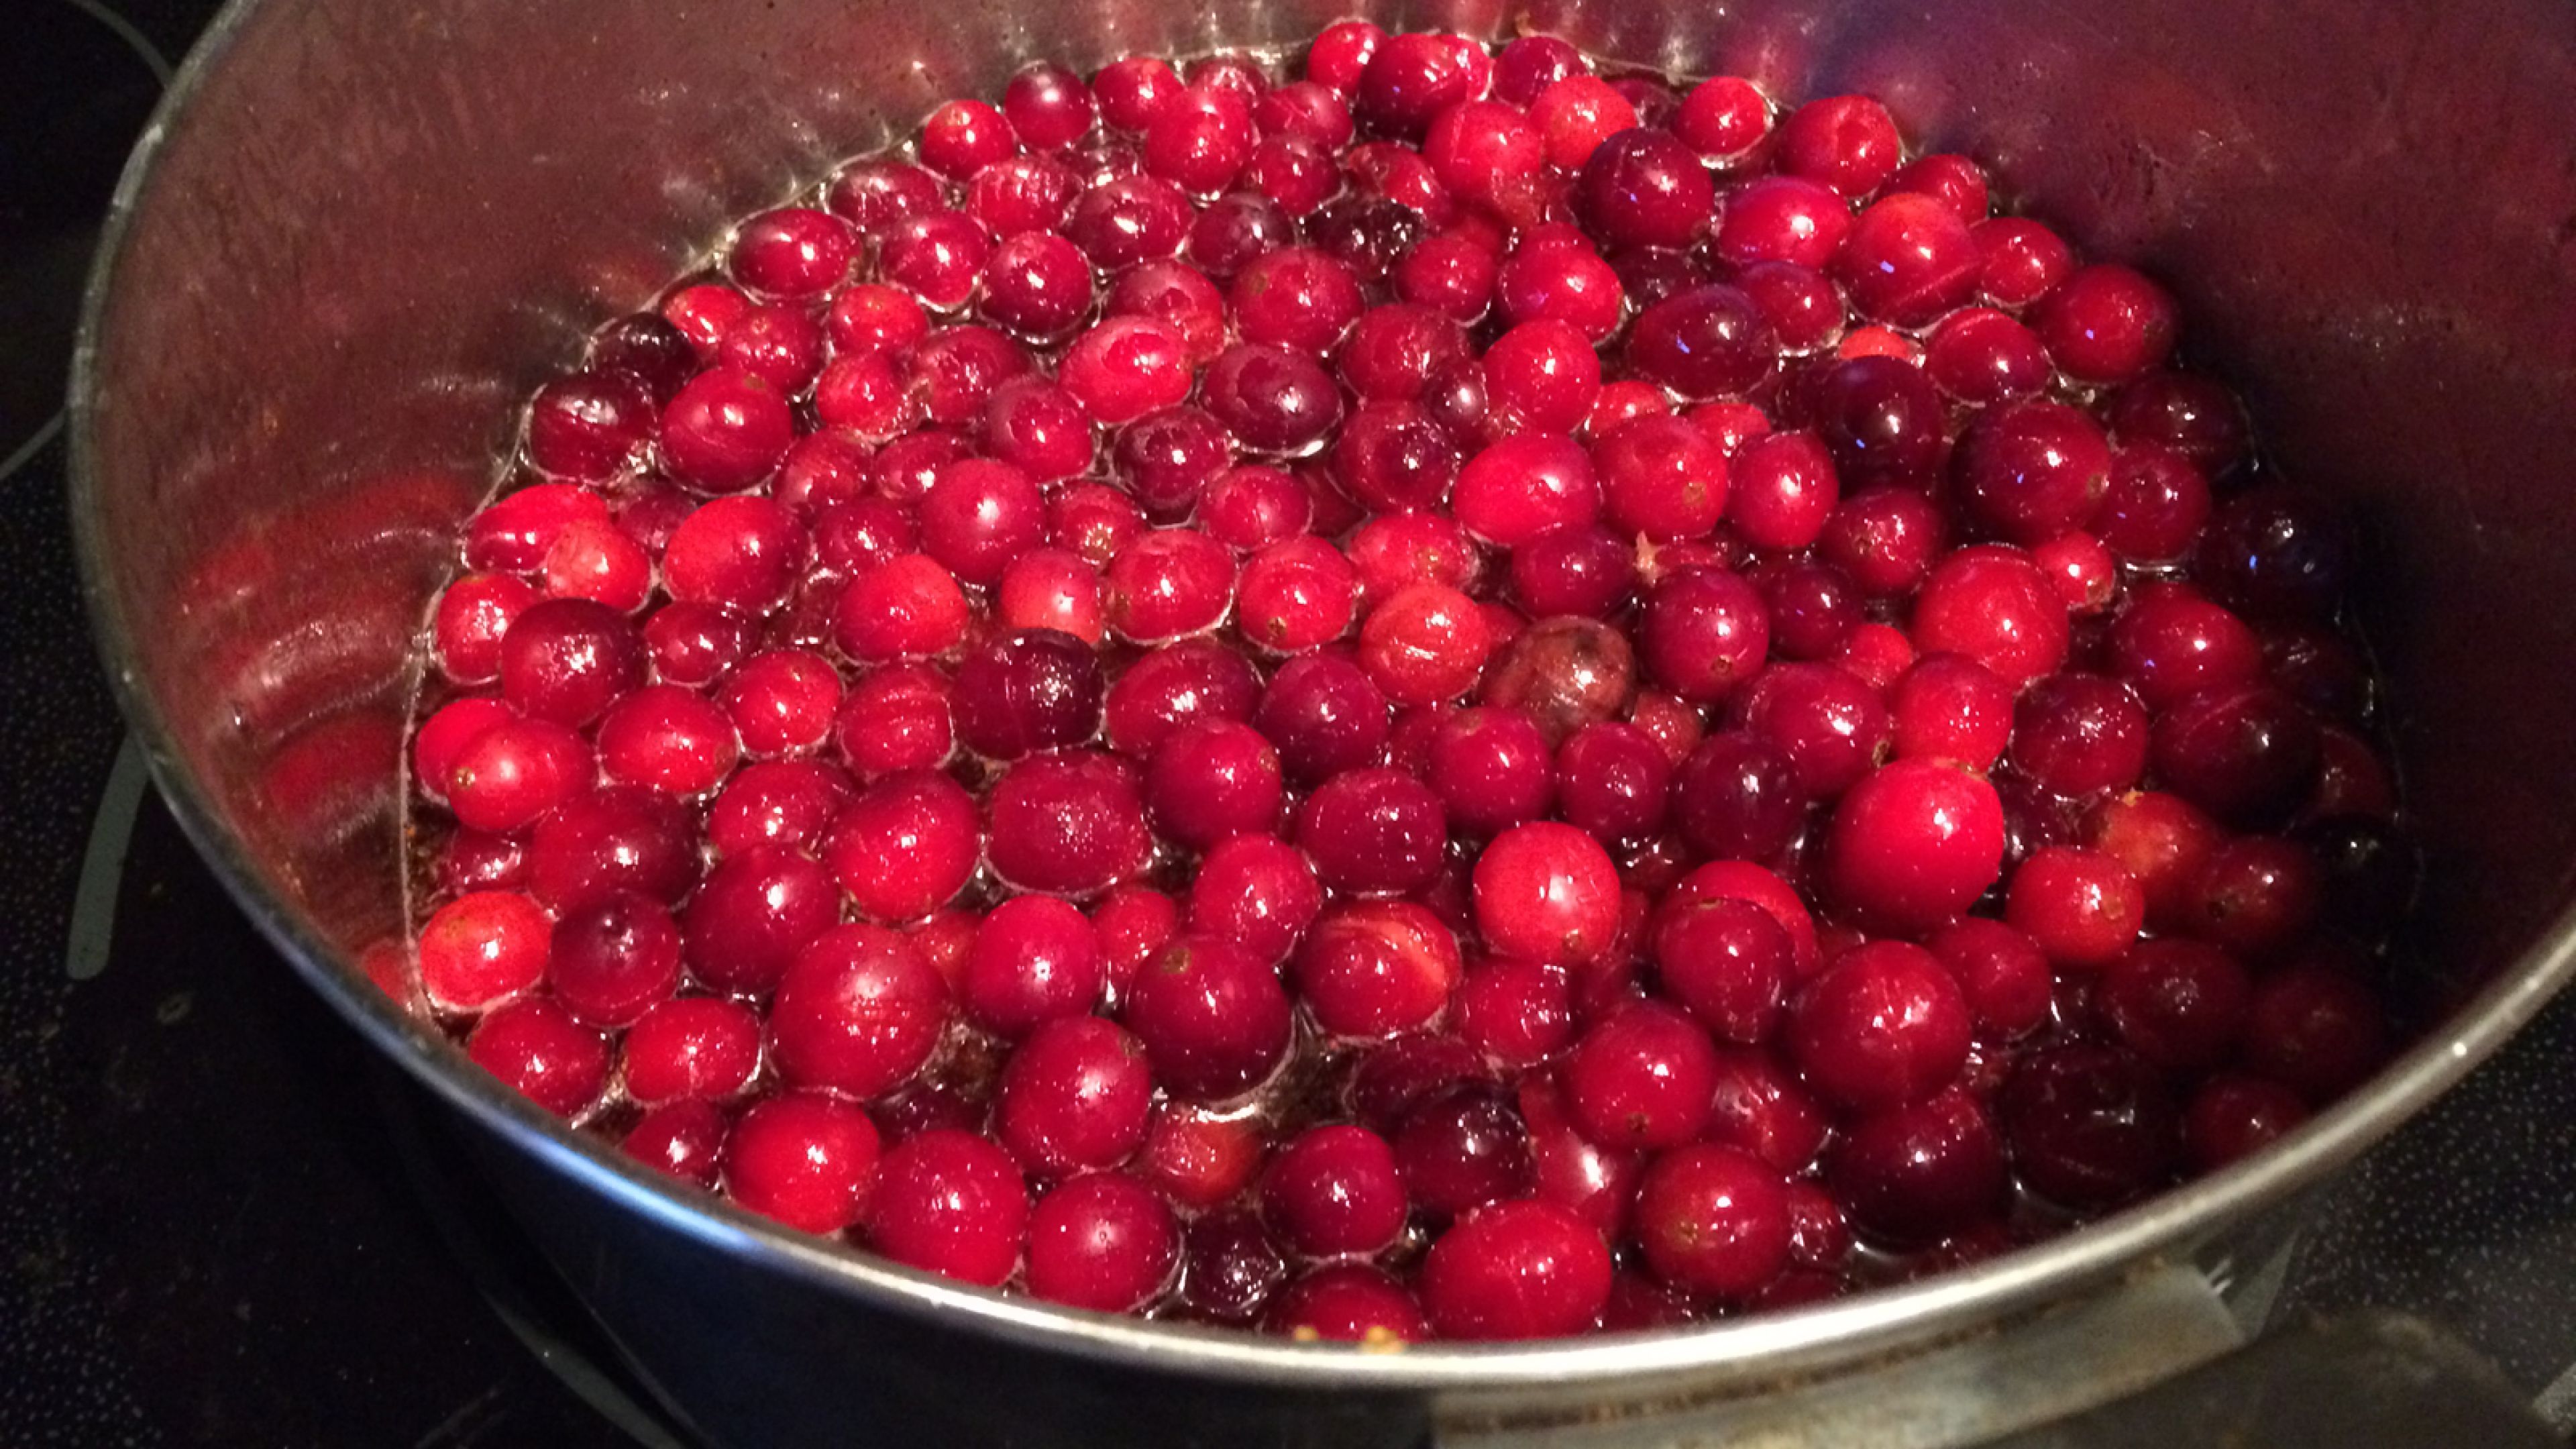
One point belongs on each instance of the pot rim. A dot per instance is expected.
(1806, 1339)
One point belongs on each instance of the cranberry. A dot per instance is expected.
(1567, 283)
(807, 1160)
(1826, 723)
(1252, 507)
(1071, 823)
(792, 253)
(1335, 1190)
(950, 1202)
(590, 426)
(1846, 142)
(2316, 1030)
(1373, 830)
(2245, 755)
(2255, 894)
(1642, 1077)
(1296, 297)
(2020, 260)
(2234, 1117)
(858, 1011)
(1782, 219)
(1883, 1025)
(905, 847)
(1047, 106)
(1909, 259)
(2107, 323)
(1884, 540)
(611, 840)
(483, 948)
(1230, 1269)
(648, 347)
(1349, 1303)
(2081, 907)
(1993, 604)
(1736, 796)
(1547, 892)
(1916, 1174)
(1212, 1018)
(2276, 552)
(783, 701)
(1526, 1268)
(2089, 1127)
(610, 961)
(1983, 356)
(725, 431)
(503, 773)
(1375, 968)
(683, 1139)
(1492, 768)
(543, 1053)
(690, 1048)
(2177, 1004)
(2002, 974)
(2080, 733)
(1166, 583)
(1177, 685)
(1714, 1220)
(1275, 399)
(2185, 412)
(1105, 1243)
(1728, 961)
(1879, 417)
(1258, 892)
(2032, 470)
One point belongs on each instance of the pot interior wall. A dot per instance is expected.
(369, 231)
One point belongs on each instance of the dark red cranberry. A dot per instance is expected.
(1879, 417)
(858, 1011)
(565, 661)
(792, 253)
(1325, 717)
(1916, 1174)
(1047, 106)
(2316, 1030)
(2002, 974)
(1644, 188)
(1231, 1267)
(2246, 755)
(647, 347)
(2190, 414)
(1737, 798)
(1335, 1190)
(1275, 399)
(2089, 1127)
(1492, 768)
(2277, 553)
(1019, 693)
(1410, 79)
(591, 425)
(1827, 723)
(2234, 1117)
(2080, 733)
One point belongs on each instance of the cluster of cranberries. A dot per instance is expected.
(1453, 698)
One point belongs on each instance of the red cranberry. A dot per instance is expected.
(1728, 961)
(805, 1159)
(650, 348)
(1983, 356)
(1916, 1174)
(1212, 1018)
(483, 948)
(1704, 633)
(2107, 324)
(1257, 892)
(690, 1048)
(1567, 283)
(858, 1011)
(1908, 260)
(565, 661)
(1849, 143)
(1177, 685)
(2185, 412)
(782, 702)
(2020, 260)
(792, 253)
(2002, 974)
(610, 961)
(1071, 823)
(1047, 106)
(611, 840)
(1349, 1303)
(2081, 907)
(905, 847)
(725, 431)
(1642, 1077)
(1522, 1269)
(1376, 968)
(1034, 959)
(683, 1139)
(950, 1202)
(1252, 507)
(1492, 768)
(1335, 1190)
(1019, 693)
(1166, 583)
(1714, 1220)
(1993, 605)
(1915, 843)
(590, 426)
(1782, 219)
(1075, 1096)
(1296, 297)
(543, 1053)
(1373, 830)
(498, 773)
(1883, 1025)
(1827, 723)
(1547, 892)
(1105, 1243)
(1884, 540)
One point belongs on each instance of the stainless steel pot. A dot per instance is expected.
(357, 232)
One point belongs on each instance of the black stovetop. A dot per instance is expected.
(222, 1222)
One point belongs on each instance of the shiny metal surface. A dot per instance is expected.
(356, 234)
